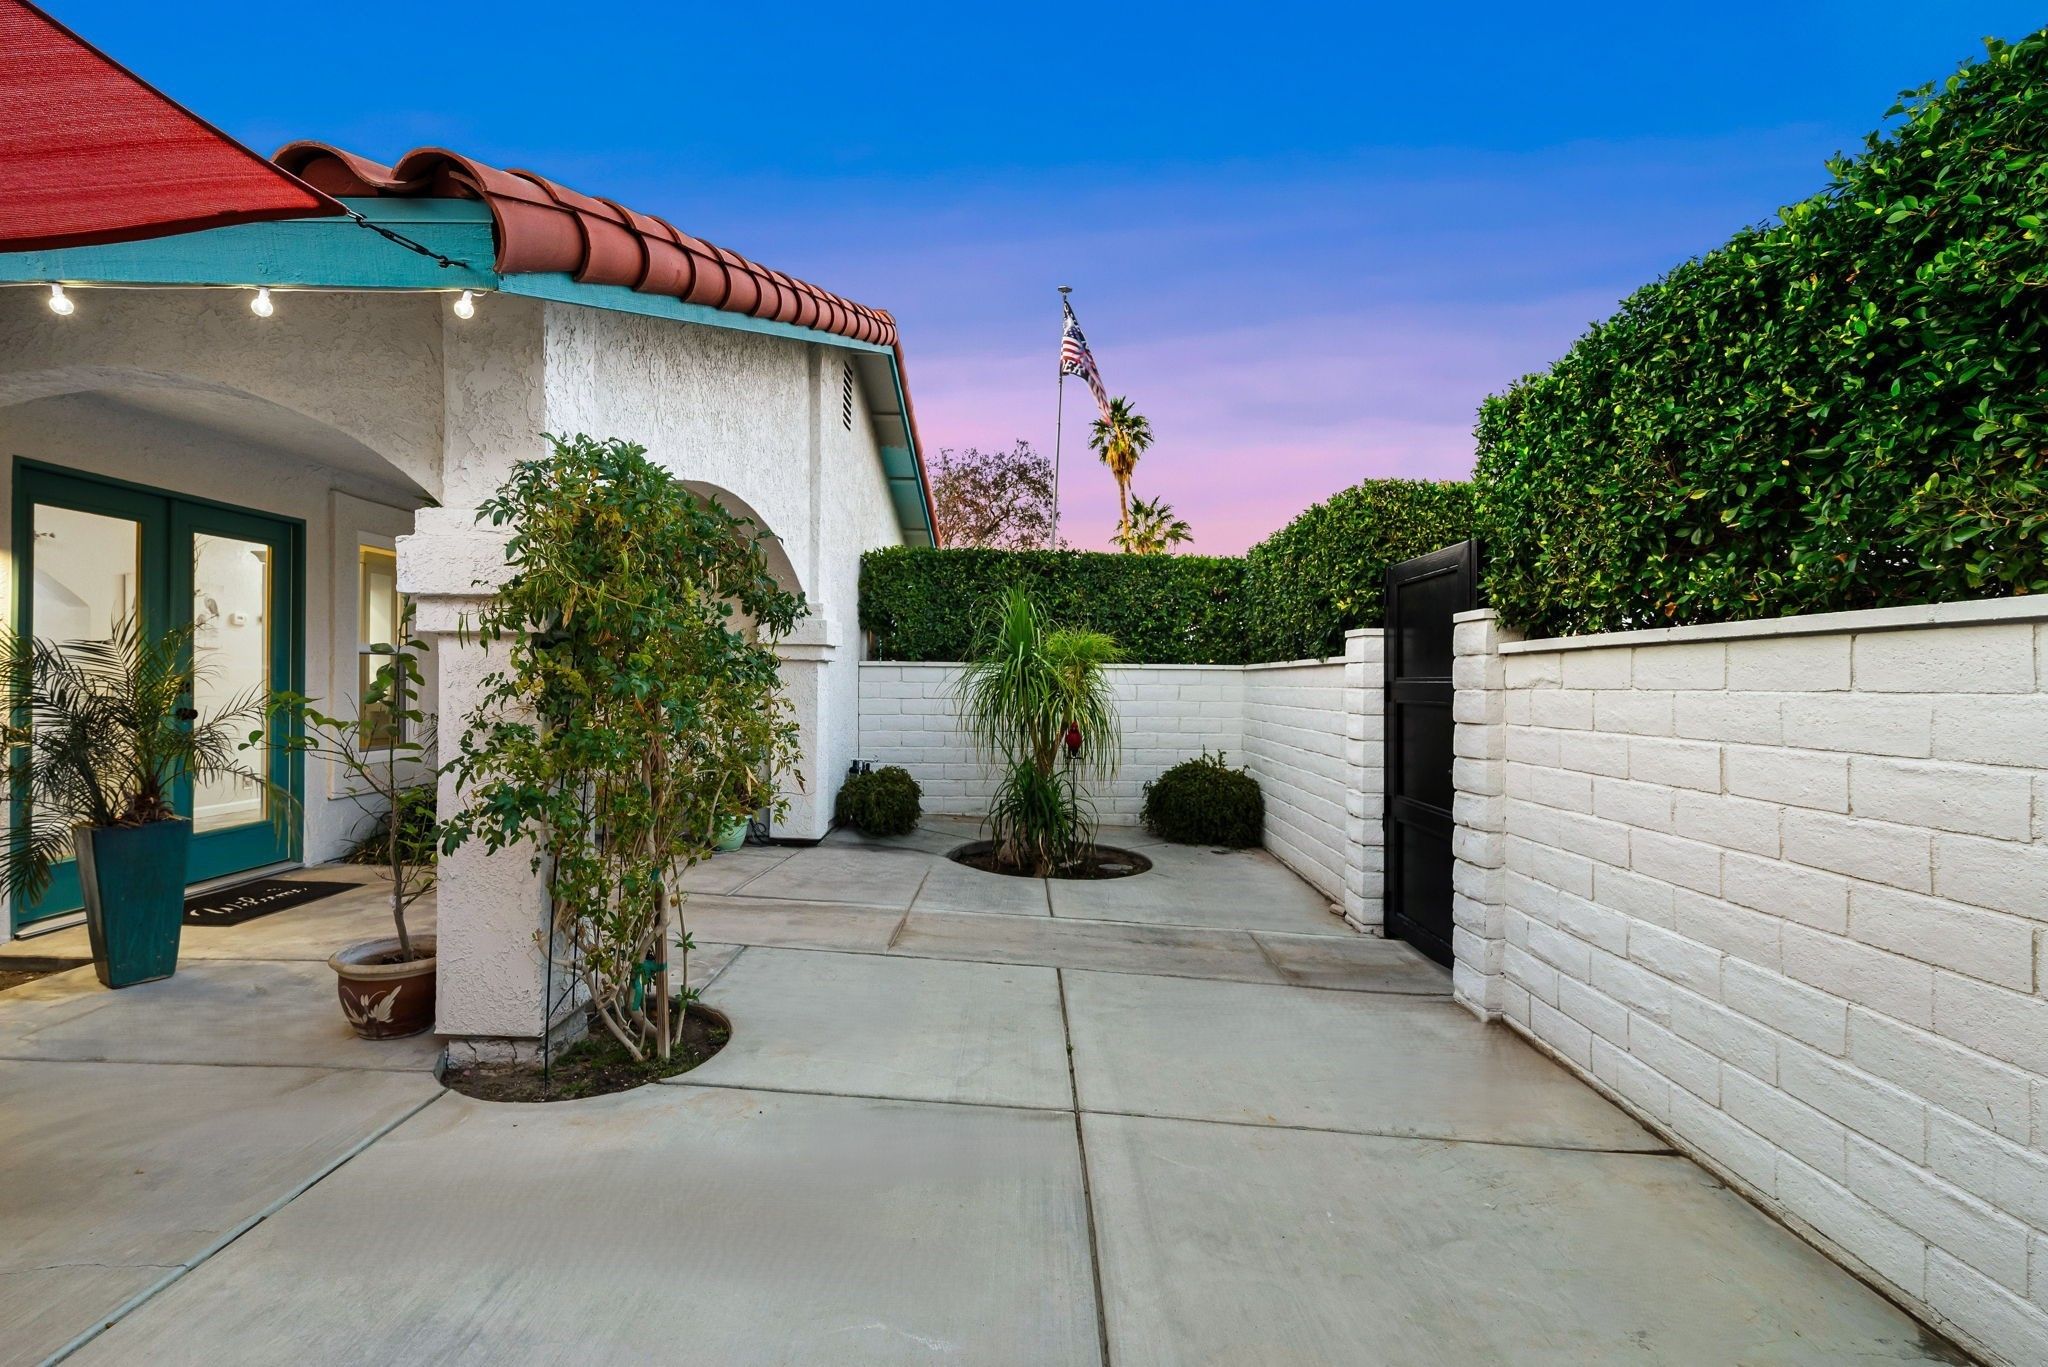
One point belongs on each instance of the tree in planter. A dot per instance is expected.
(632, 716)
(387, 752)
(1038, 705)
(99, 733)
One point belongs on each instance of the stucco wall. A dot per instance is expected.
(353, 381)
(758, 422)
(1782, 889)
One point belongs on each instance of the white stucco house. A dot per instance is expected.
(279, 467)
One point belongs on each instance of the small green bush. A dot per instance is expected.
(1205, 802)
(882, 801)
(1844, 408)
(1324, 573)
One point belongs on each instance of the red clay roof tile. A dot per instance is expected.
(544, 226)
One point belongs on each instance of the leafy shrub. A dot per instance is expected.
(882, 801)
(926, 604)
(1324, 573)
(1844, 408)
(1205, 802)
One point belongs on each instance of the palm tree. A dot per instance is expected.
(1149, 528)
(1120, 437)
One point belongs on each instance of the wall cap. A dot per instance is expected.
(1987, 610)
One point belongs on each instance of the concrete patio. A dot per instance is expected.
(1183, 1118)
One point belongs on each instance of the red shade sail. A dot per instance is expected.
(89, 152)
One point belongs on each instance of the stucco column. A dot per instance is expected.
(1365, 797)
(492, 909)
(812, 675)
(1479, 842)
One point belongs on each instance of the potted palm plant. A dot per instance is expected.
(99, 734)
(386, 753)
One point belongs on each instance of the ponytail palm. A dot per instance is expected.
(1025, 692)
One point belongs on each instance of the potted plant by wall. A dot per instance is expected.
(386, 755)
(99, 736)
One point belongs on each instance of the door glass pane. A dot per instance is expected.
(87, 568)
(377, 595)
(231, 648)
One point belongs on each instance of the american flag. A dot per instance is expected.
(1076, 359)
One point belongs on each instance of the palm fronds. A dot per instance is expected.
(100, 732)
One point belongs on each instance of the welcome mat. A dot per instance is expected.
(246, 901)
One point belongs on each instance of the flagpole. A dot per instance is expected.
(1058, 430)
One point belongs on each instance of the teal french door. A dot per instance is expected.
(89, 552)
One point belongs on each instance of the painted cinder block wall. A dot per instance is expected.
(1306, 729)
(1781, 889)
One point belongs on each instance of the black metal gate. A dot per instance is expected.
(1422, 596)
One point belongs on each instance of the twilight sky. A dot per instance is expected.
(1305, 240)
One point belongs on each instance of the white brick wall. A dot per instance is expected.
(909, 715)
(1308, 730)
(1782, 889)
(1295, 746)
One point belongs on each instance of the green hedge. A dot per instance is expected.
(926, 604)
(1845, 408)
(1293, 596)
(1325, 572)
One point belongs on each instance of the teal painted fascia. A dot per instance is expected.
(561, 288)
(306, 253)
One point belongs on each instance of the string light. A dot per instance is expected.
(261, 305)
(60, 303)
(465, 305)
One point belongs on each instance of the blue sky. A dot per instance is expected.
(1306, 240)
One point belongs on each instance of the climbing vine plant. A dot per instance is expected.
(633, 711)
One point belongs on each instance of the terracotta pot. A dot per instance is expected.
(386, 1000)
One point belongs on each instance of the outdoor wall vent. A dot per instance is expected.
(846, 395)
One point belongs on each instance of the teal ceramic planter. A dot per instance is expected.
(733, 835)
(133, 879)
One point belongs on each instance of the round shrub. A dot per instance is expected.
(880, 802)
(1205, 802)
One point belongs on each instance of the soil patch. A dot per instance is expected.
(593, 1066)
(20, 969)
(1101, 861)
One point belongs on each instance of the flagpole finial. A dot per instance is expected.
(1066, 289)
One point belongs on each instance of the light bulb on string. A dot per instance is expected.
(60, 302)
(465, 305)
(261, 305)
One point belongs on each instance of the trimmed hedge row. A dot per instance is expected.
(928, 604)
(1845, 408)
(1293, 596)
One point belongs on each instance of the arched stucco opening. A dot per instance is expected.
(779, 563)
(141, 398)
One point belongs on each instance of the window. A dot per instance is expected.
(378, 615)
(846, 395)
